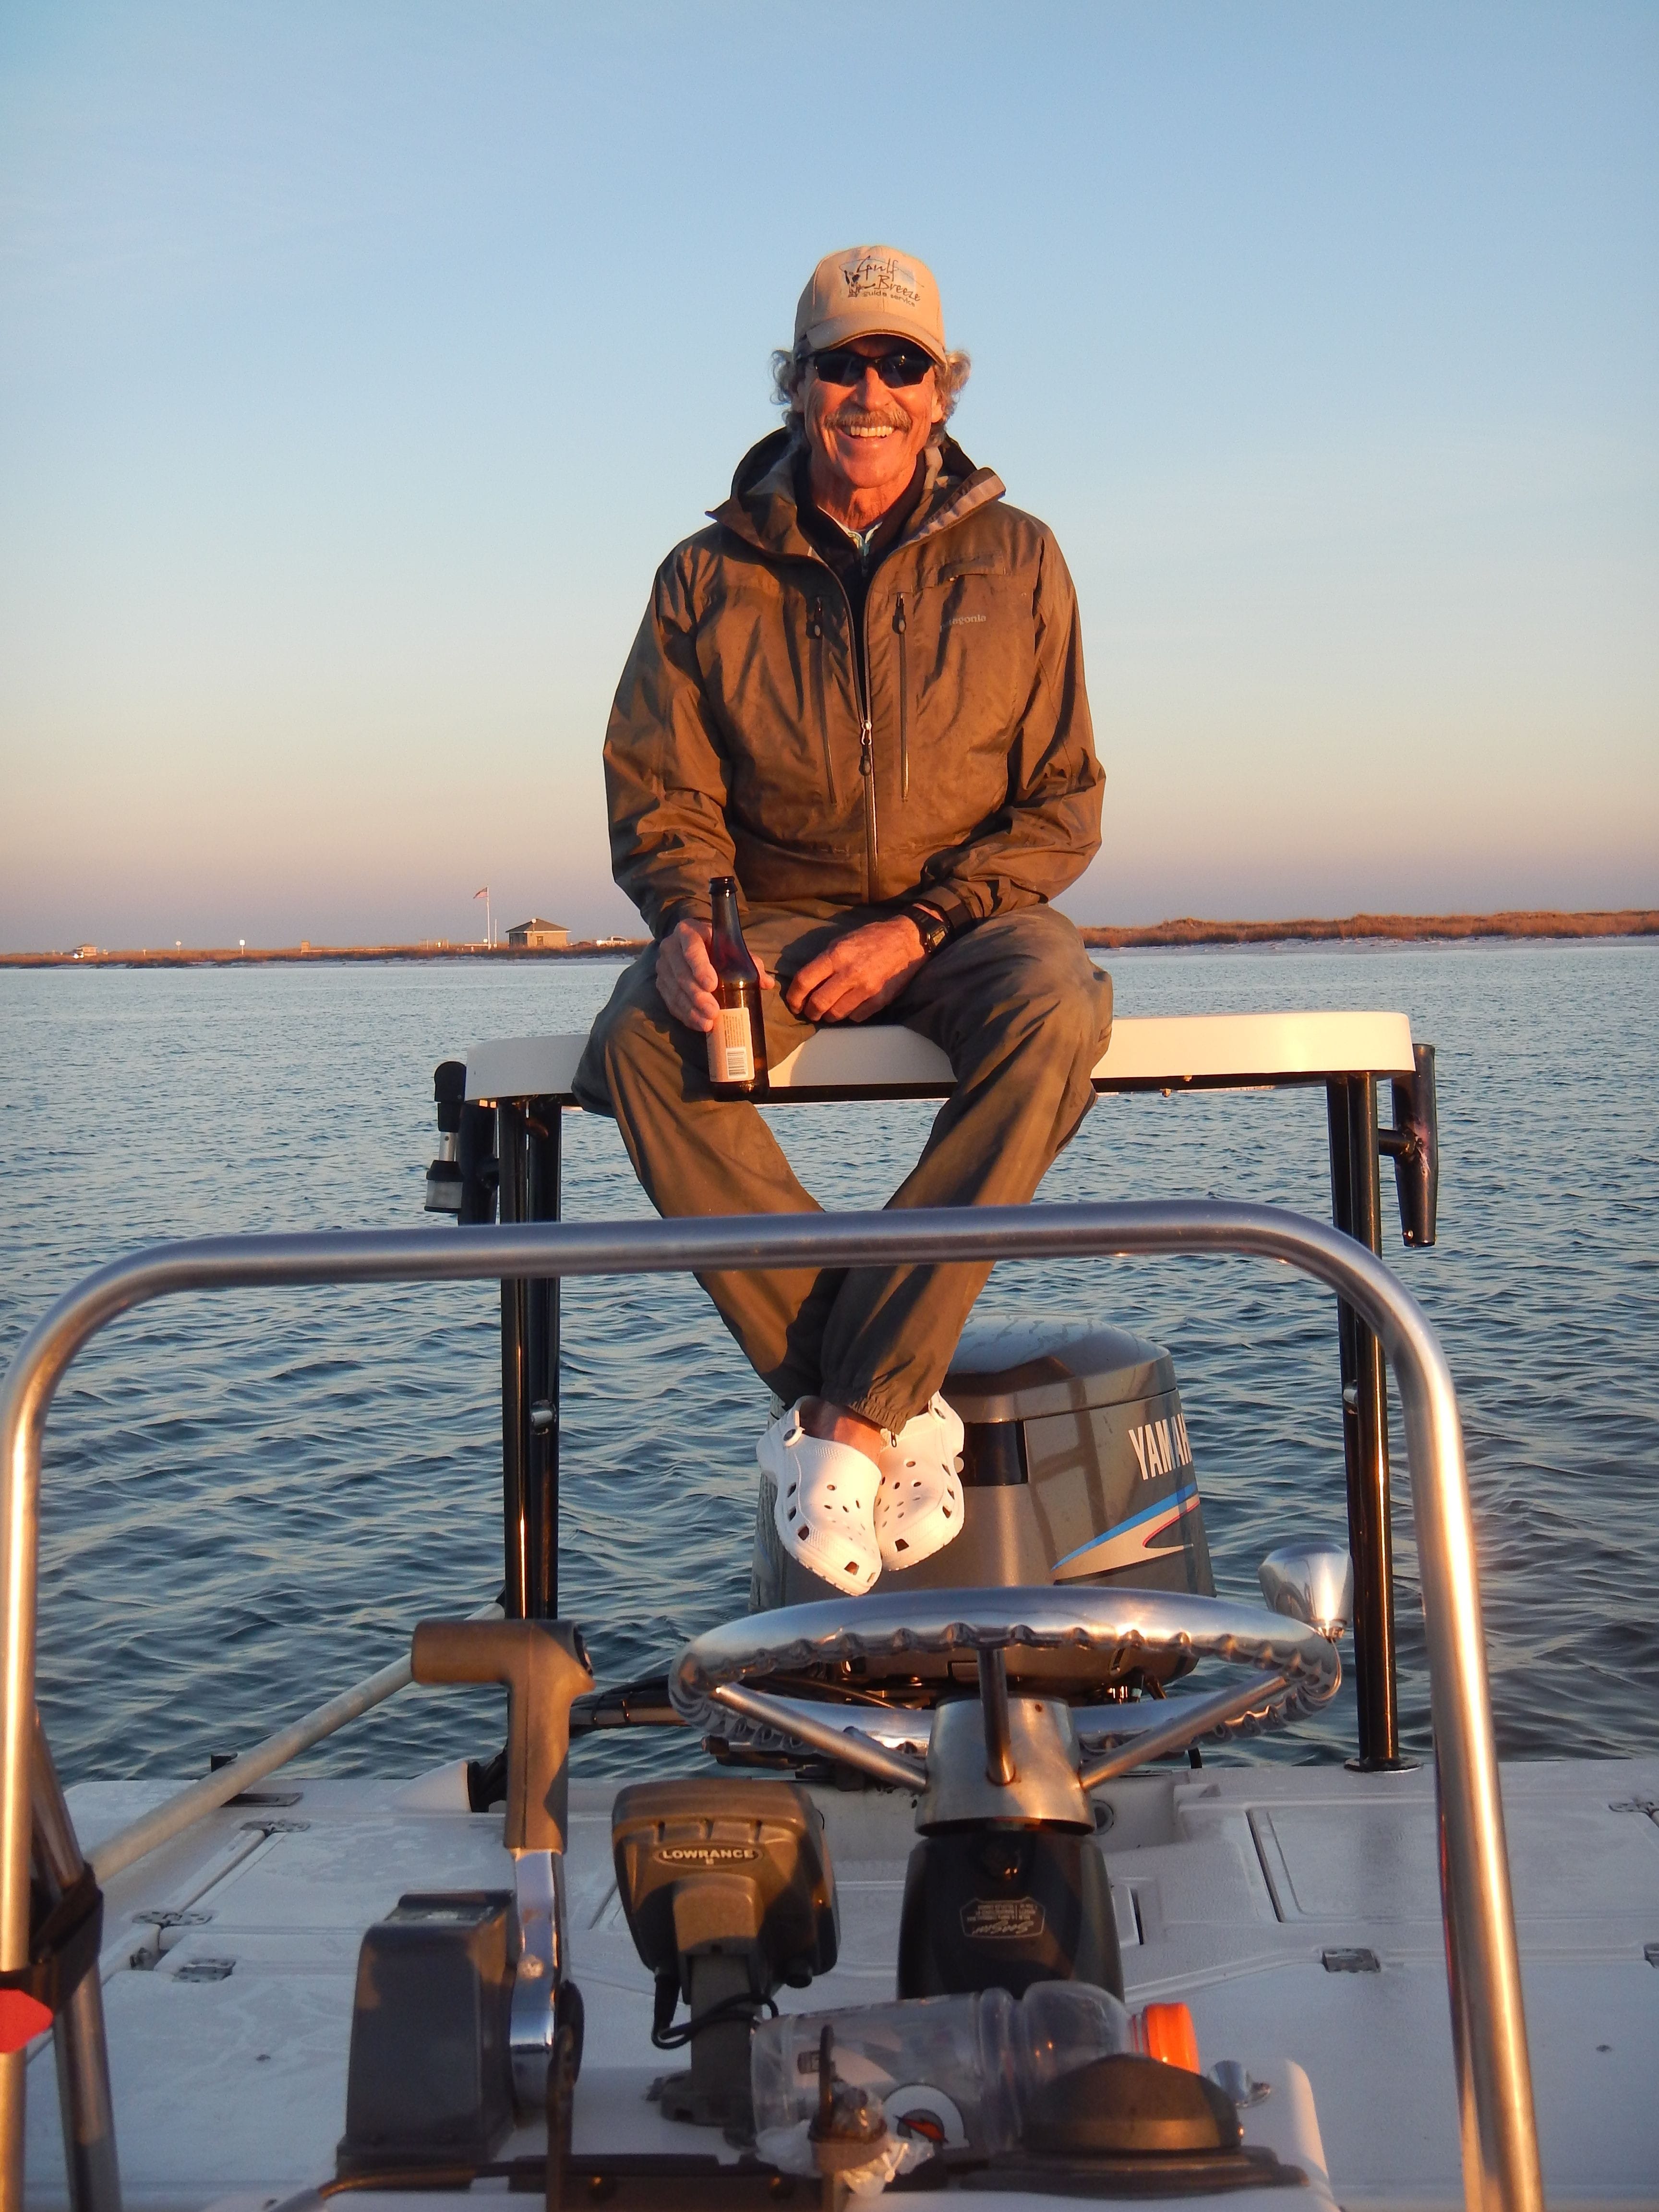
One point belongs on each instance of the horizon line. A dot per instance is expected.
(1405, 928)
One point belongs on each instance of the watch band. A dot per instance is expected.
(930, 926)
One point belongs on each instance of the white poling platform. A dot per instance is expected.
(1231, 1885)
(1146, 1052)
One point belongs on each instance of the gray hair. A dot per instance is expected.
(788, 368)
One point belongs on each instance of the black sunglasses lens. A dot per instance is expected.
(843, 366)
(902, 368)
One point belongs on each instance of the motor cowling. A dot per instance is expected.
(1087, 1423)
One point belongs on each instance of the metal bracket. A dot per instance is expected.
(1414, 1145)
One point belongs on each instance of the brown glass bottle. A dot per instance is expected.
(737, 1043)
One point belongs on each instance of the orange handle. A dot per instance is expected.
(1166, 2031)
(543, 1665)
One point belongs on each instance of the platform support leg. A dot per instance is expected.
(1355, 1208)
(528, 1147)
(80, 2045)
(83, 2097)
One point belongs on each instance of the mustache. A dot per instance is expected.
(869, 418)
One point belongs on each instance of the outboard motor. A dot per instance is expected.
(1077, 1467)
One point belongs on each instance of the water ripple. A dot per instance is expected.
(249, 1499)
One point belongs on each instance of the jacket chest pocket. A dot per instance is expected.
(966, 660)
(771, 673)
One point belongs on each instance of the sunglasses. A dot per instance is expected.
(840, 365)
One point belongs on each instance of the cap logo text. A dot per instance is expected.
(880, 276)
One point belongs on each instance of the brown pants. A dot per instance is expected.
(1022, 1016)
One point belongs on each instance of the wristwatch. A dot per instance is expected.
(932, 929)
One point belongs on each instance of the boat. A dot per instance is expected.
(1404, 1984)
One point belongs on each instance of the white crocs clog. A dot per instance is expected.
(936, 1429)
(826, 1503)
(919, 1510)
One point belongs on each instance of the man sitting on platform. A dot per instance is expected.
(860, 692)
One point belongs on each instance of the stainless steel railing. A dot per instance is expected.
(1494, 2083)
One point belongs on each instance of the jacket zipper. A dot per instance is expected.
(867, 770)
(904, 699)
(815, 631)
(872, 846)
(866, 762)
(866, 742)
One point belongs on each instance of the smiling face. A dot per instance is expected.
(863, 438)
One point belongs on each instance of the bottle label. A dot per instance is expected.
(730, 1049)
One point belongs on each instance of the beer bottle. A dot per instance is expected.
(737, 1043)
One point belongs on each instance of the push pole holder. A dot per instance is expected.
(63, 1944)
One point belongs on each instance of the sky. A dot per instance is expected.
(359, 360)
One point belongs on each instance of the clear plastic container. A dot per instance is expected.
(961, 2070)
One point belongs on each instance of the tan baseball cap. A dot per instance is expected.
(866, 291)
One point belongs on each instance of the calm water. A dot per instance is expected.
(249, 1499)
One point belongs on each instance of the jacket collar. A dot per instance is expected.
(761, 508)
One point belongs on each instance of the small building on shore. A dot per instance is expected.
(538, 936)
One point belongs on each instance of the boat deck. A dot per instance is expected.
(1245, 1891)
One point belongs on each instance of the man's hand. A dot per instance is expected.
(860, 974)
(686, 978)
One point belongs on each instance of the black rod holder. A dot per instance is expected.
(516, 1437)
(475, 1156)
(528, 1149)
(546, 1163)
(1355, 1209)
(1414, 1145)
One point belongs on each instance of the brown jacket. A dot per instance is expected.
(740, 742)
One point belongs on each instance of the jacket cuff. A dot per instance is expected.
(952, 909)
(688, 910)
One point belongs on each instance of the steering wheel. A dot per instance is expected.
(1108, 1633)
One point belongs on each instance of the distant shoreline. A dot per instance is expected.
(1397, 928)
